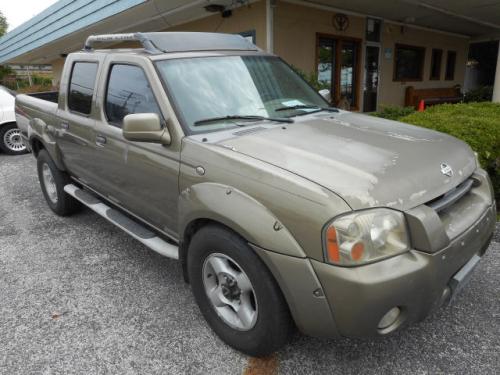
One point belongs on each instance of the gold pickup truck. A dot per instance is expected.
(283, 211)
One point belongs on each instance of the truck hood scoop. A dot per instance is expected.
(366, 160)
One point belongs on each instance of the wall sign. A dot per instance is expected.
(388, 53)
(341, 22)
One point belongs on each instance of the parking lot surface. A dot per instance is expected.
(77, 295)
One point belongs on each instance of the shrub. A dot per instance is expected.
(478, 124)
(394, 112)
(481, 94)
(41, 80)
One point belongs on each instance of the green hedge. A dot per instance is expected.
(394, 112)
(478, 124)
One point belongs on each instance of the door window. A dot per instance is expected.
(128, 92)
(81, 87)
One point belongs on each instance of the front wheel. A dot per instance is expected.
(10, 140)
(236, 293)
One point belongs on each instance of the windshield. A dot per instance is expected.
(229, 86)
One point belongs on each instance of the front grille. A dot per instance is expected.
(460, 207)
(451, 197)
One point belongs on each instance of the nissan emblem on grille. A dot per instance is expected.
(446, 170)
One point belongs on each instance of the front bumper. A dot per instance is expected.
(416, 282)
(332, 301)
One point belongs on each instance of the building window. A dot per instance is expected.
(437, 57)
(451, 61)
(373, 28)
(408, 63)
(81, 87)
(131, 95)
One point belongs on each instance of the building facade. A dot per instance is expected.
(367, 54)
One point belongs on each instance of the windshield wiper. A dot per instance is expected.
(241, 117)
(306, 106)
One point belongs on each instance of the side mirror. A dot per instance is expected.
(145, 127)
(325, 93)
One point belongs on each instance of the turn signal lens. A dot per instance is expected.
(357, 251)
(365, 236)
(331, 245)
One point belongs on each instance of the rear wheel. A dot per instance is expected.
(52, 181)
(236, 293)
(10, 140)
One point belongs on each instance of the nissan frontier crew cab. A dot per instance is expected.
(283, 211)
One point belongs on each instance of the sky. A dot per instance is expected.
(20, 11)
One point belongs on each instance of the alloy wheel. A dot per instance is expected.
(13, 141)
(230, 291)
(49, 183)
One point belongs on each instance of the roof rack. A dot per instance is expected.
(113, 38)
(162, 42)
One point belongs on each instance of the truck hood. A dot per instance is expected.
(368, 161)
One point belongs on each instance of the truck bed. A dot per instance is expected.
(39, 108)
(50, 96)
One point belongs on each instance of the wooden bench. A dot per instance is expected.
(432, 96)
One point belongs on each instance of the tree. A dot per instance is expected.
(3, 24)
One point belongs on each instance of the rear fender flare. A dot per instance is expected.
(44, 133)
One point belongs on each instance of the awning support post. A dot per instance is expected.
(270, 4)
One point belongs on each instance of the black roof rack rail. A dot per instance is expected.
(113, 38)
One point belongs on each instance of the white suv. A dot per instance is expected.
(10, 135)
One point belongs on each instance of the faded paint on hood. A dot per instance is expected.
(368, 161)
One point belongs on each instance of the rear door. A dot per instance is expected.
(140, 177)
(76, 123)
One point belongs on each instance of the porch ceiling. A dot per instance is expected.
(473, 18)
(63, 27)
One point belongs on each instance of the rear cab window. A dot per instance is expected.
(81, 87)
(128, 91)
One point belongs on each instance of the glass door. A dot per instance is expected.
(338, 69)
(370, 89)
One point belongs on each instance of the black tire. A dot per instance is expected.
(65, 204)
(273, 324)
(10, 140)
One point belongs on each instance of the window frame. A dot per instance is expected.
(447, 76)
(440, 52)
(357, 65)
(105, 96)
(376, 21)
(73, 63)
(422, 50)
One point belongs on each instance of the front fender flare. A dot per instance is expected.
(238, 211)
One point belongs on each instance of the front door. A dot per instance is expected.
(370, 89)
(338, 69)
(140, 177)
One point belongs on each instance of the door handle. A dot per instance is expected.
(100, 140)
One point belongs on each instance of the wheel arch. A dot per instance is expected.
(38, 143)
(212, 203)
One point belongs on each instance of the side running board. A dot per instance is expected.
(136, 230)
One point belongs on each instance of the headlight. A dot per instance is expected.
(365, 236)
